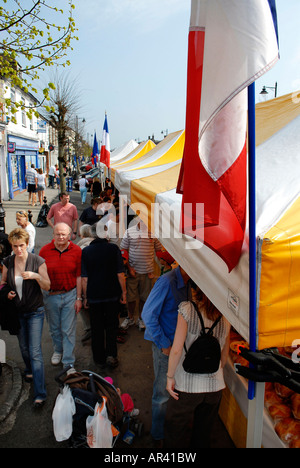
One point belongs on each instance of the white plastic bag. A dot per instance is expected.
(99, 428)
(62, 415)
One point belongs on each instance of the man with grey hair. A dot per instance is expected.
(64, 300)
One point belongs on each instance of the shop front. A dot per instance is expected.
(21, 154)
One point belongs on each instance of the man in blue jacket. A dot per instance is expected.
(160, 317)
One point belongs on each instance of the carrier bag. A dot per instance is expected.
(100, 431)
(204, 355)
(62, 415)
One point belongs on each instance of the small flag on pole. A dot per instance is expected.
(231, 44)
(95, 154)
(105, 145)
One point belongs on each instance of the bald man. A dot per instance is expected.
(64, 300)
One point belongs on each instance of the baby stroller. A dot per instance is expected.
(89, 389)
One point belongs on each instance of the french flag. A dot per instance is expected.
(105, 145)
(231, 44)
(95, 153)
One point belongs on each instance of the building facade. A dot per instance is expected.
(26, 142)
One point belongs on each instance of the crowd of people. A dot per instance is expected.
(98, 277)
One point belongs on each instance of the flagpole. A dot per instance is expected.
(256, 390)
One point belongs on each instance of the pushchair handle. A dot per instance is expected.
(57, 378)
(92, 383)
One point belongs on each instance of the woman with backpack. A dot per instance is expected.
(196, 397)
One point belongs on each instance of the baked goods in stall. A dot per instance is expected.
(282, 403)
(282, 391)
(280, 411)
(288, 430)
(237, 341)
(295, 400)
(295, 443)
(235, 345)
(271, 398)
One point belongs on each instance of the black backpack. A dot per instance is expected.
(204, 355)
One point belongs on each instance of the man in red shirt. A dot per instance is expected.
(64, 212)
(63, 302)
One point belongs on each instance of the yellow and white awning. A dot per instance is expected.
(166, 155)
(122, 151)
(142, 149)
(151, 186)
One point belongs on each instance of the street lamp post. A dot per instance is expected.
(264, 90)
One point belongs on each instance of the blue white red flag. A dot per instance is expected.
(231, 44)
(95, 154)
(105, 145)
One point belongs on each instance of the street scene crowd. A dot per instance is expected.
(114, 283)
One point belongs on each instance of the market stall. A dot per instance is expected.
(122, 151)
(166, 155)
(277, 227)
(135, 154)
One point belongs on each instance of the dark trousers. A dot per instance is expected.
(190, 420)
(104, 329)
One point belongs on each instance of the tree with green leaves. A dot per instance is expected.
(35, 34)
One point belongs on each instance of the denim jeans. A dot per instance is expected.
(160, 395)
(61, 317)
(83, 192)
(30, 337)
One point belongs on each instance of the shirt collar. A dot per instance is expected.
(66, 250)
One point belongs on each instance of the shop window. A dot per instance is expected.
(23, 113)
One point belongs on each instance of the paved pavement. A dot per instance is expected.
(23, 427)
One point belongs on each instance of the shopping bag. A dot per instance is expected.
(99, 428)
(62, 415)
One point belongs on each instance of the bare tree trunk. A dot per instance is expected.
(61, 161)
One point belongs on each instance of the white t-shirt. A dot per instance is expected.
(41, 179)
(31, 231)
(52, 171)
(19, 286)
(82, 183)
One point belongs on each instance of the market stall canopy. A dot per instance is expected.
(122, 151)
(135, 154)
(166, 155)
(278, 229)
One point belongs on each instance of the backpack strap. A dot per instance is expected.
(203, 331)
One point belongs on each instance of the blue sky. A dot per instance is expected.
(131, 61)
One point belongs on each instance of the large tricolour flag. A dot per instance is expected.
(231, 44)
(105, 145)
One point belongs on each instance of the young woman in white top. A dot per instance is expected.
(83, 185)
(195, 401)
(41, 185)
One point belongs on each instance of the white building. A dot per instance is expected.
(26, 142)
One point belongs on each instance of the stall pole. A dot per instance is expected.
(255, 390)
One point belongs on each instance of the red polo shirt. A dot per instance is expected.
(63, 267)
